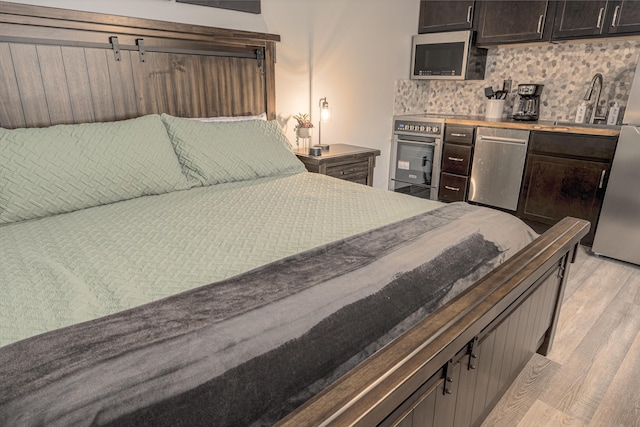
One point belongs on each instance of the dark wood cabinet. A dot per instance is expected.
(576, 19)
(625, 18)
(584, 19)
(456, 163)
(565, 175)
(436, 16)
(514, 21)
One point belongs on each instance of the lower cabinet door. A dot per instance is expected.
(555, 187)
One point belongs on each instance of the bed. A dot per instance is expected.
(162, 270)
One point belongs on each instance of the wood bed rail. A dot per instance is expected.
(373, 390)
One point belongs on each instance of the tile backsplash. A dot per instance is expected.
(565, 69)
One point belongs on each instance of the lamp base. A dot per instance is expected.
(323, 147)
(315, 151)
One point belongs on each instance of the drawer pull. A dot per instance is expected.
(615, 16)
(455, 159)
(540, 21)
(600, 15)
(604, 172)
(452, 188)
(348, 172)
(469, 14)
(458, 134)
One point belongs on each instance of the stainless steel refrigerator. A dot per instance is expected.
(618, 232)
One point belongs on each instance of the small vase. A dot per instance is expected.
(304, 132)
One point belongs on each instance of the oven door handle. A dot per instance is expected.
(430, 144)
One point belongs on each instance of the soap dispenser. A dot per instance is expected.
(614, 111)
(581, 114)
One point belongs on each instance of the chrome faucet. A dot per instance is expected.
(597, 78)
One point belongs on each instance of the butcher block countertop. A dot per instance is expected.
(541, 125)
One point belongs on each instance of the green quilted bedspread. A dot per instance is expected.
(69, 268)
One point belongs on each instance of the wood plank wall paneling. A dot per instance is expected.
(57, 66)
(45, 85)
(56, 90)
(30, 86)
(97, 61)
(10, 106)
(77, 79)
(123, 86)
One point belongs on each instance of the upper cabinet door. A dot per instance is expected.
(625, 17)
(436, 16)
(586, 18)
(576, 19)
(513, 21)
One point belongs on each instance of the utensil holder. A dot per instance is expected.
(494, 109)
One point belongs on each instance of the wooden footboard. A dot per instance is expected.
(457, 363)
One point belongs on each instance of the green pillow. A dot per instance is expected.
(216, 152)
(45, 171)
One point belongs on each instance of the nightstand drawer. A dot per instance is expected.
(453, 188)
(357, 171)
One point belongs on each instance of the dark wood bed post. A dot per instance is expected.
(270, 60)
(549, 336)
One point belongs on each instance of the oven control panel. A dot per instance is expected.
(417, 127)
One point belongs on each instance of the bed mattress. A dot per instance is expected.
(224, 305)
(75, 267)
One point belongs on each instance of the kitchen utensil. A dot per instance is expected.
(506, 86)
(489, 93)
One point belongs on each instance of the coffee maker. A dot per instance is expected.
(529, 102)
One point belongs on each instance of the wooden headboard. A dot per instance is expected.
(62, 66)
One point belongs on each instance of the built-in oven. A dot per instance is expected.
(416, 155)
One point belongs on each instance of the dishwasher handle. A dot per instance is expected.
(502, 139)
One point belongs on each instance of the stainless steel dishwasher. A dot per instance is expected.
(498, 166)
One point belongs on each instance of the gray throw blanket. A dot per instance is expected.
(250, 349)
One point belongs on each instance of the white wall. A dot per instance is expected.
(350, 51)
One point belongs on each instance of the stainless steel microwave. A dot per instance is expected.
(451, 56)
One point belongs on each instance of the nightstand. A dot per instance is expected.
(342, 161)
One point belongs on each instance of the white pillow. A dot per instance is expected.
(262, 116)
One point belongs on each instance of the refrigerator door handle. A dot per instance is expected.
(604, 172)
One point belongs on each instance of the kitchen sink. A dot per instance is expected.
(587, 125)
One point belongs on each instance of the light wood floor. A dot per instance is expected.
(592, 375)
